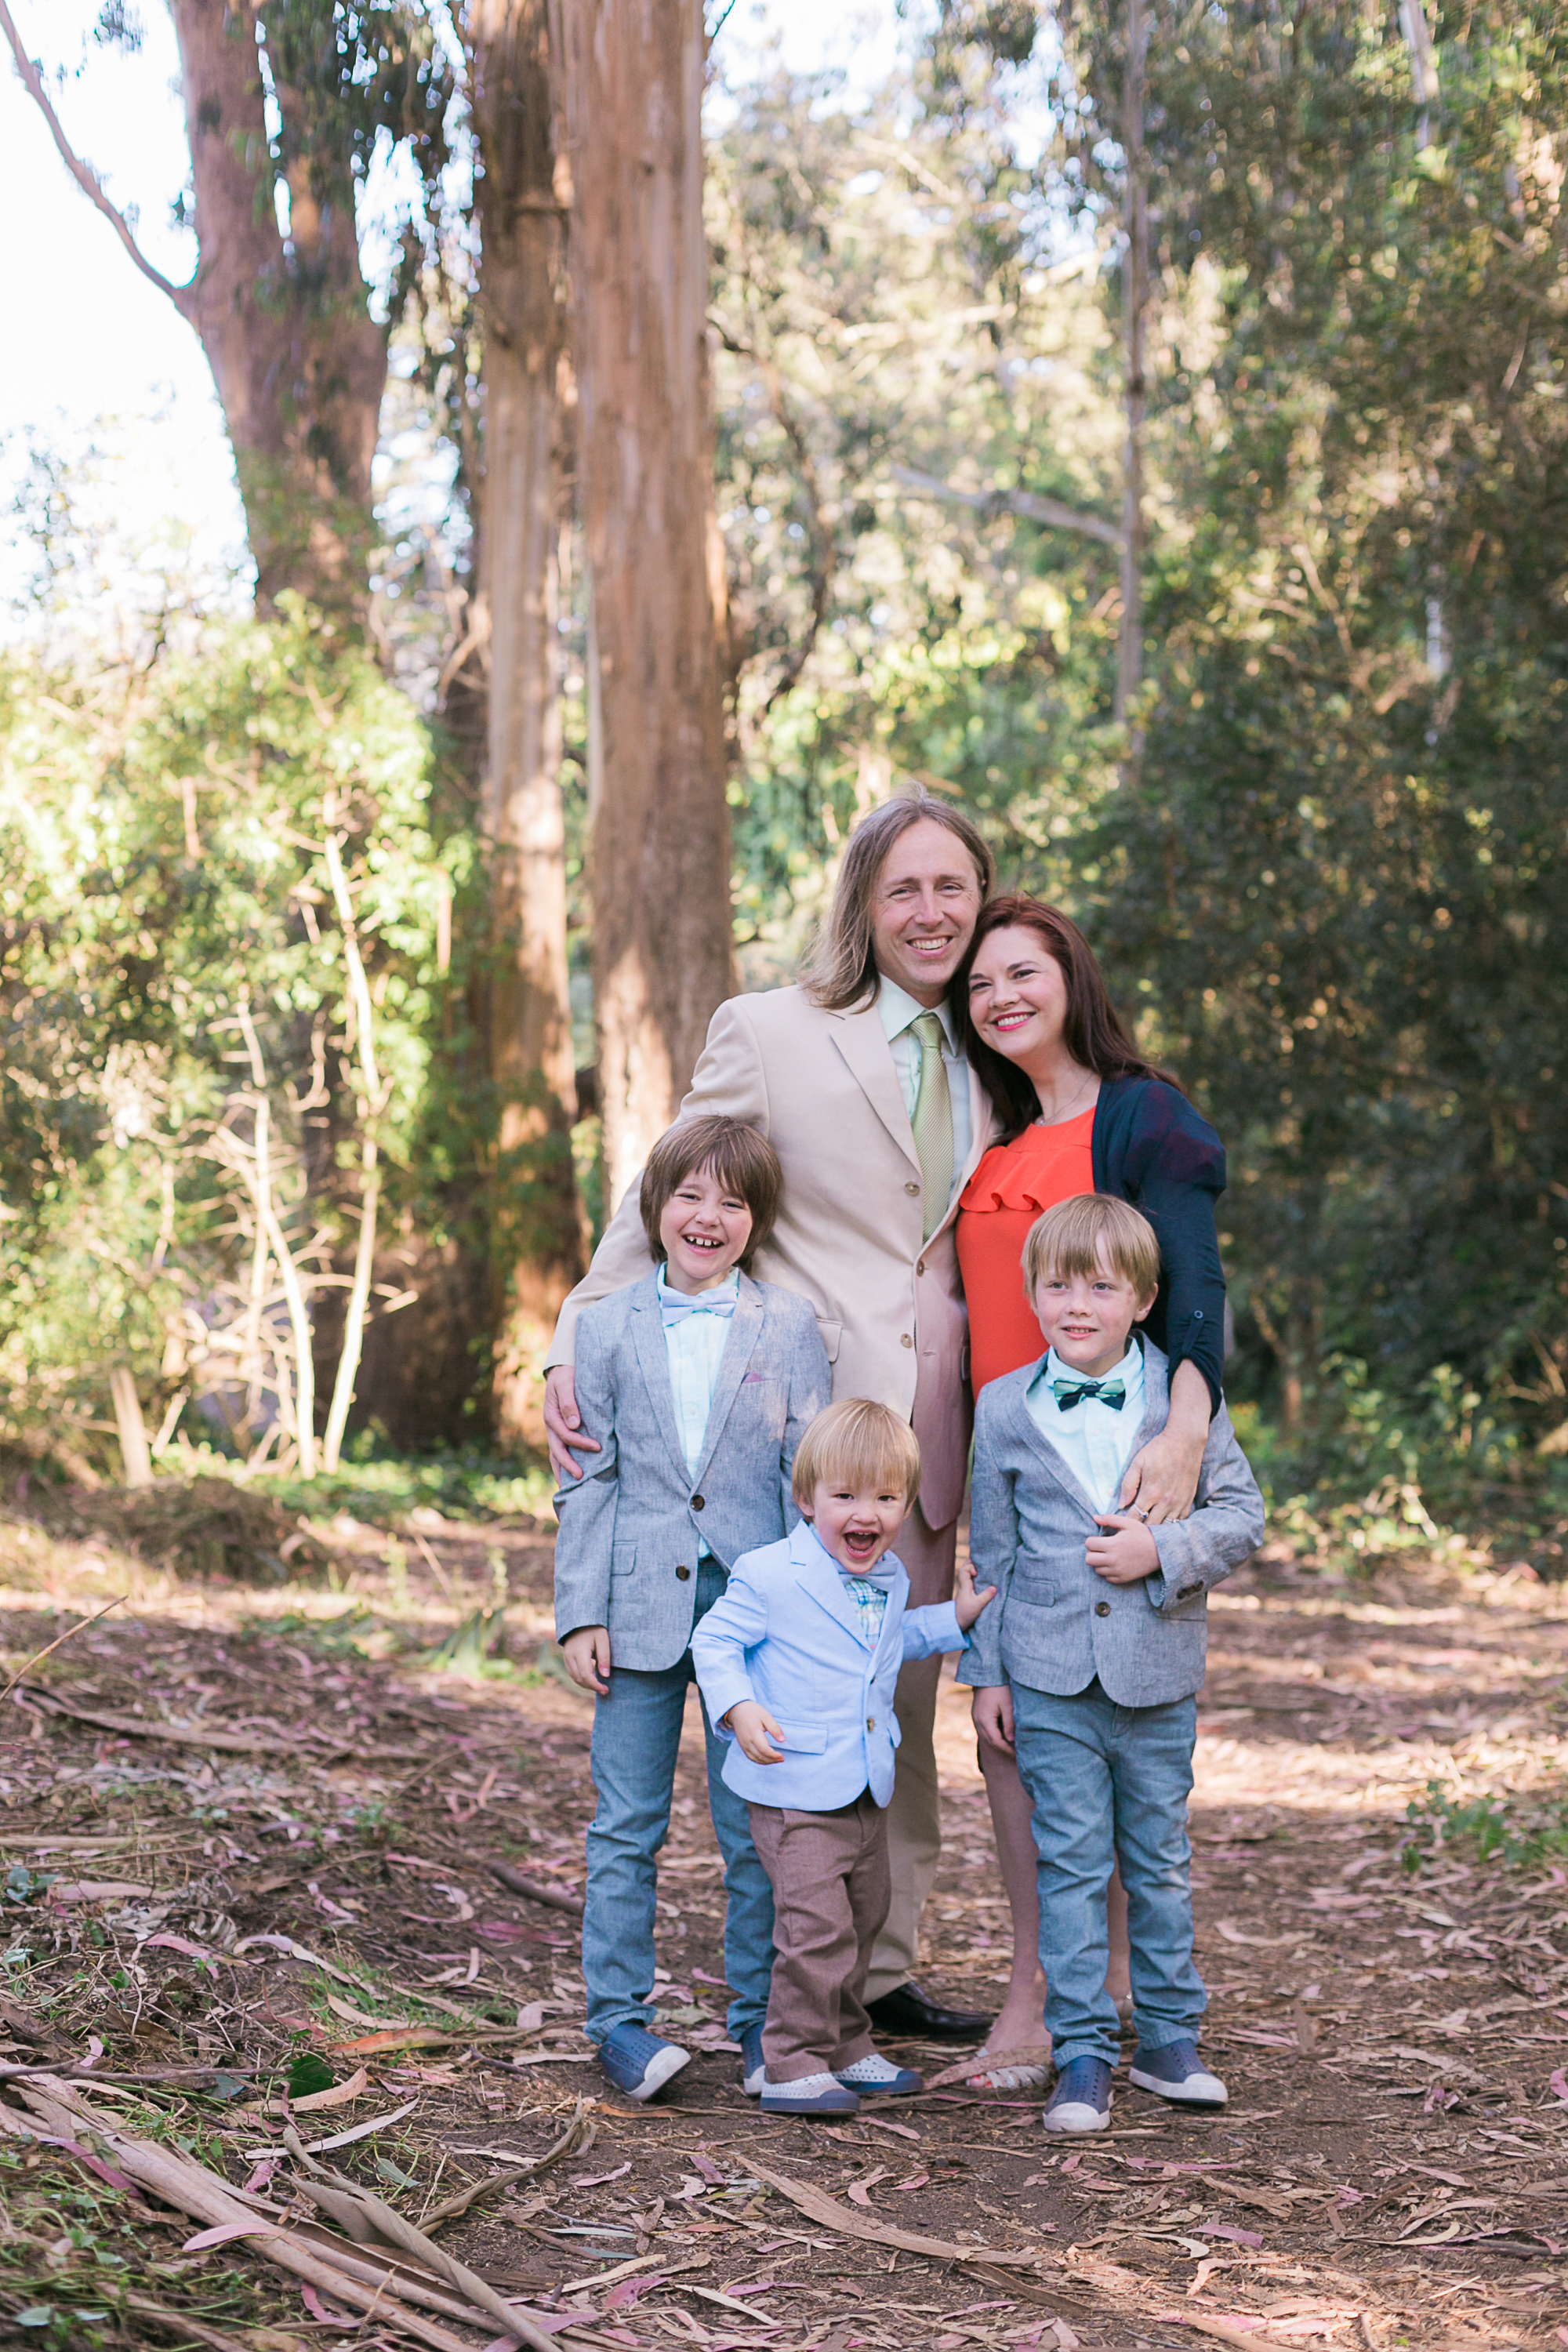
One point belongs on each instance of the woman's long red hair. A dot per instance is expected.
(1093, 1031)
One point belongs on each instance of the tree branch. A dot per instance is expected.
(824, 555)
(84, 176)
(1050, 511)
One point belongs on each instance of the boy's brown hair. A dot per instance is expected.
(1069, 1240)
(739, 1156)
(856, 1443)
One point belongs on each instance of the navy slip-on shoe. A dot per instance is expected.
(879, 2074)
(809, 2094)
(1176, 2072)
(1081, 2100)
(753, 2068)
(637, 2061)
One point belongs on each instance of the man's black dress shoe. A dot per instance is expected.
(907, 2011)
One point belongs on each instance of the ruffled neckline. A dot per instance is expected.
(1011, 1174)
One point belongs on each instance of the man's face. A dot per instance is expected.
(924, 911)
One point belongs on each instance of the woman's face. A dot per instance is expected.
(1018, 995)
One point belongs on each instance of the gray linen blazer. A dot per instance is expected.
(1055, 1624)
(626, 1553)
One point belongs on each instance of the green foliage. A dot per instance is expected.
(164, 886)
(1521, 1831)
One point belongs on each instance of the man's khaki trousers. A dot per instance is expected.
(914, 1816)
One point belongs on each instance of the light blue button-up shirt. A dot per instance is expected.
(695, 1347)
(1094, 1441)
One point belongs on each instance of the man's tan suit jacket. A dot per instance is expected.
(822, 1087)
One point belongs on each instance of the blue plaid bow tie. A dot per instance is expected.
(677, 1309)
(1070, 1393)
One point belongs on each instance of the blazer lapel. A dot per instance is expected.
(1156, 1396)
(893, 1614)
(745, 1328)
(1060, 1469)
(981, 1125)
(819, 1577)
(653, 1358)
(859, 1038)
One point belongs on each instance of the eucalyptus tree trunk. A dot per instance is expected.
(299, 363)
(536, 1226)
(633, 81)
(1135, 301)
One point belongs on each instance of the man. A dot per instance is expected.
(857, 1078)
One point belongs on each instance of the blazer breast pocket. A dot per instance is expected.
(623, 1562)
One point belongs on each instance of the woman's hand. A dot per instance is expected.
(587, 1655)
(992, 1710)
(755, 1731)
(1160, 1482)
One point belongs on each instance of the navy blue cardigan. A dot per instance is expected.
(1153, 1148)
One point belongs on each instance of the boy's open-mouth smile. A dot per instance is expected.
(703, 1241)
(861, 1542)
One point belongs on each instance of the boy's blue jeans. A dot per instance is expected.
(1110, 1784)
(636, 1737)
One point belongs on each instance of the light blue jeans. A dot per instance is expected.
(1110, 1784)
(637, 1737)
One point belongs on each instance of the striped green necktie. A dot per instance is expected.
(932, 1121)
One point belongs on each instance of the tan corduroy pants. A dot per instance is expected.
(829, 1877)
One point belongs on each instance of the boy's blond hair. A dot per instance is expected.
(856, 1443)
(1069, 1239)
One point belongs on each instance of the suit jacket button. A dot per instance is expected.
(871, 1723)
(697, 1502)
(1101, 1608)
(906, 1340)
(911, 1188)
(683, 1574)
(921, 1267)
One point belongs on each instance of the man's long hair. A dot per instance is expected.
(842, 972)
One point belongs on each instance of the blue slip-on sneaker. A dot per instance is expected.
(1176, 2072)
(809, 2094)
(879, 2074)
(637, 2061)
(753, 2067)
(1081, 2100)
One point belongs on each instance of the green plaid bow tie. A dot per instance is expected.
(1070, 1393)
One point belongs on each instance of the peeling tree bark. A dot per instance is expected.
(536, 1228)
(633, 81)
(299, 363)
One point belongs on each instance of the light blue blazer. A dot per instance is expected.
(787, 1634)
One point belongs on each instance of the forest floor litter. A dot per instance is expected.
(291, 2047)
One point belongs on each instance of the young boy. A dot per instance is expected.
(797, 1664)
(1091, 1658)
(698, 1383)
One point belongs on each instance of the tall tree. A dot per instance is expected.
(633, 73)
(536, 1240)
(278, 297)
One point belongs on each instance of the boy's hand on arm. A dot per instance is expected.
(1163, 1480)
(755, 1731)
(968, 1601)
(1125, 1556)
(564, 1423)
(992, 1710)
(587, 1655)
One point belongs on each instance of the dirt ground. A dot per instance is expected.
(212, 1764)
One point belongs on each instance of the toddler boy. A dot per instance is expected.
(797, 1664)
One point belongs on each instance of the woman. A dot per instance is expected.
(1079, 1111)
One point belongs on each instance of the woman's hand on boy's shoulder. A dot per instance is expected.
(969, 1600)
(1128, 1553)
